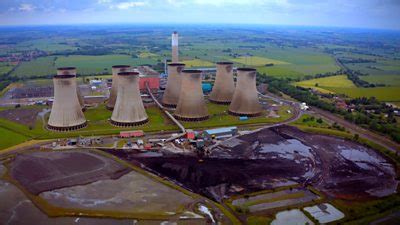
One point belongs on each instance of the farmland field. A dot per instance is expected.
(39, 67)
(257, 61)
(388, 94)
(197, 63)
(389, 80)
(322, 84)
(99, 64)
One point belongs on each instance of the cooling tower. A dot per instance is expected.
(71, 71)
(191, 105)
(173, 89)
(175, 53)
(224, 87)
(66, 113)
(128, 110)
(245, 99)
(114, 86)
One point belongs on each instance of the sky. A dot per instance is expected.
(382, 14)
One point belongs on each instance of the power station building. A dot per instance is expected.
(114, 88)
(66, 112)
(173, 89)
(224, 86)
(129, 109)
(175, 49)
(245, 98)
(191, 105)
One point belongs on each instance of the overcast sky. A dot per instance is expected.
(340, 13)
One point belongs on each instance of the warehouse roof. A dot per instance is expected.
(220, 130)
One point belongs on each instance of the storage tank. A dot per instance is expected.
(72, 71)
(245, 98)
(129, 109)
(191, 105)
(114, 86)
(66, 112)
(173, 89)
(224, 86)
(175, 50)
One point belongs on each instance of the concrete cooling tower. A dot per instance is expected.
(71, 71)
(129, 109)
(224, 86)
(66, 113)
(173, 89)
(114, 86)
(191, 105)
(175, 51)
(245, 99)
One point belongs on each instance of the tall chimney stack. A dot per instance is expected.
(114, 86)
(175, 53)
(66, 112)
(129, 109)
(191, 105)
(173, 89)
(245, 99)
(224, 86)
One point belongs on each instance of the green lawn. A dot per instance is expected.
(219, 117)
(9, 138)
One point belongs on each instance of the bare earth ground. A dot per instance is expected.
(132, 192)
(44, 171)
(22, 116)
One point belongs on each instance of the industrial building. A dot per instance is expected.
(129, 109)
(66, 112)
(175, 50)
(224, 86)
(72, 71)
(173, 89)
(114, 88)
(245, 98)
(191, 105)
(218, 133)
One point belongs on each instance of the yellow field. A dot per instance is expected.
(257, 61)
(147, 55)
(197, 63)
(326, 84)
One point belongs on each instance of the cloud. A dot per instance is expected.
(127, 5)
(25, 7)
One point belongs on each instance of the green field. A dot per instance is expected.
(257, 61)
(86, 65)
(5, 67)
(197, 63)
(389, 80)
(99, 64)
(39, 67)
(327, 84)
(387, 94)
(9, 138)
(98, 124)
